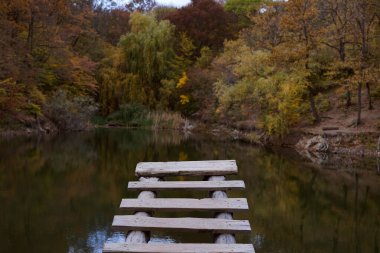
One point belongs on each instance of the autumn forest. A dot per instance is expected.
(267, 66)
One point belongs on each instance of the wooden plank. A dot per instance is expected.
(183, 204)
(178, 247)
(187, 185)
(194, 168)
(132, 222)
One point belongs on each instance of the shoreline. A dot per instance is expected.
(361, 144)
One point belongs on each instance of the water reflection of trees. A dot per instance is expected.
(67, 187)
(313, 210)
(298, 208)
(65, 190)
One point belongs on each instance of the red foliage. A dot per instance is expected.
(111, 24)
(205, 21)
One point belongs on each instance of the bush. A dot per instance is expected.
(70, 113)
(135, 115)
(322, 102)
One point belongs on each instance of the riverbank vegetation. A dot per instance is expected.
(265, 66)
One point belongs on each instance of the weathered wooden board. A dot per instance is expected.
(178, 248)
(133, 222)
(194, 168)
(187, 185)
(183, 204)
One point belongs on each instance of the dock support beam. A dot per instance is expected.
(141, 236)
(222, 238)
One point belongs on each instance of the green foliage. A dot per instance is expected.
(137, 70)
(134, 115)
(259, 89)
(138, 115)
(323, 103)
(48, 78)
(147, 50)
(34, 110)
(243, 9)
(185, 53)
(99, 120)
(206, 57)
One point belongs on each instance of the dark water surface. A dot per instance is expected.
(59, 194)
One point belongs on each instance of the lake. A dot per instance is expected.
(60, 193)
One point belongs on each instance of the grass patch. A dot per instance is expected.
(166, 120)
(137, 115)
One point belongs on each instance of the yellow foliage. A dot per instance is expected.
(182, 81)
(184, 99)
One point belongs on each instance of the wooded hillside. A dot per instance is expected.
(262, 65)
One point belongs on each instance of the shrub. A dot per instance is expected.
(135, 115)
(70, 113)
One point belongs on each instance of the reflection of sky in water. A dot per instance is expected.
(96, 240)
(161, 239)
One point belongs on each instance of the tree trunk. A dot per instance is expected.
(75, 41)
(30, 32)
(358, 120)
(313, 108)
(370, 106)
(348, 98)
(342, 50)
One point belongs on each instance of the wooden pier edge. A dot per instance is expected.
(215, 172)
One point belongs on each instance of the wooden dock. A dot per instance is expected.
(151, 181)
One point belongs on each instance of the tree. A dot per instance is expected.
(111, 24)
(267, 32)
(205, 22)
(303, 30)
(185, 51)
(338, 14)
(363, 24)
(147, 51)
(243, 9)
(44, 47)
(253, 87)
(141, 69)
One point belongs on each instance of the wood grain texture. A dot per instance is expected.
(182, 204)
(178, 248)
(187, 185)
(132, 222)
(193, 168)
